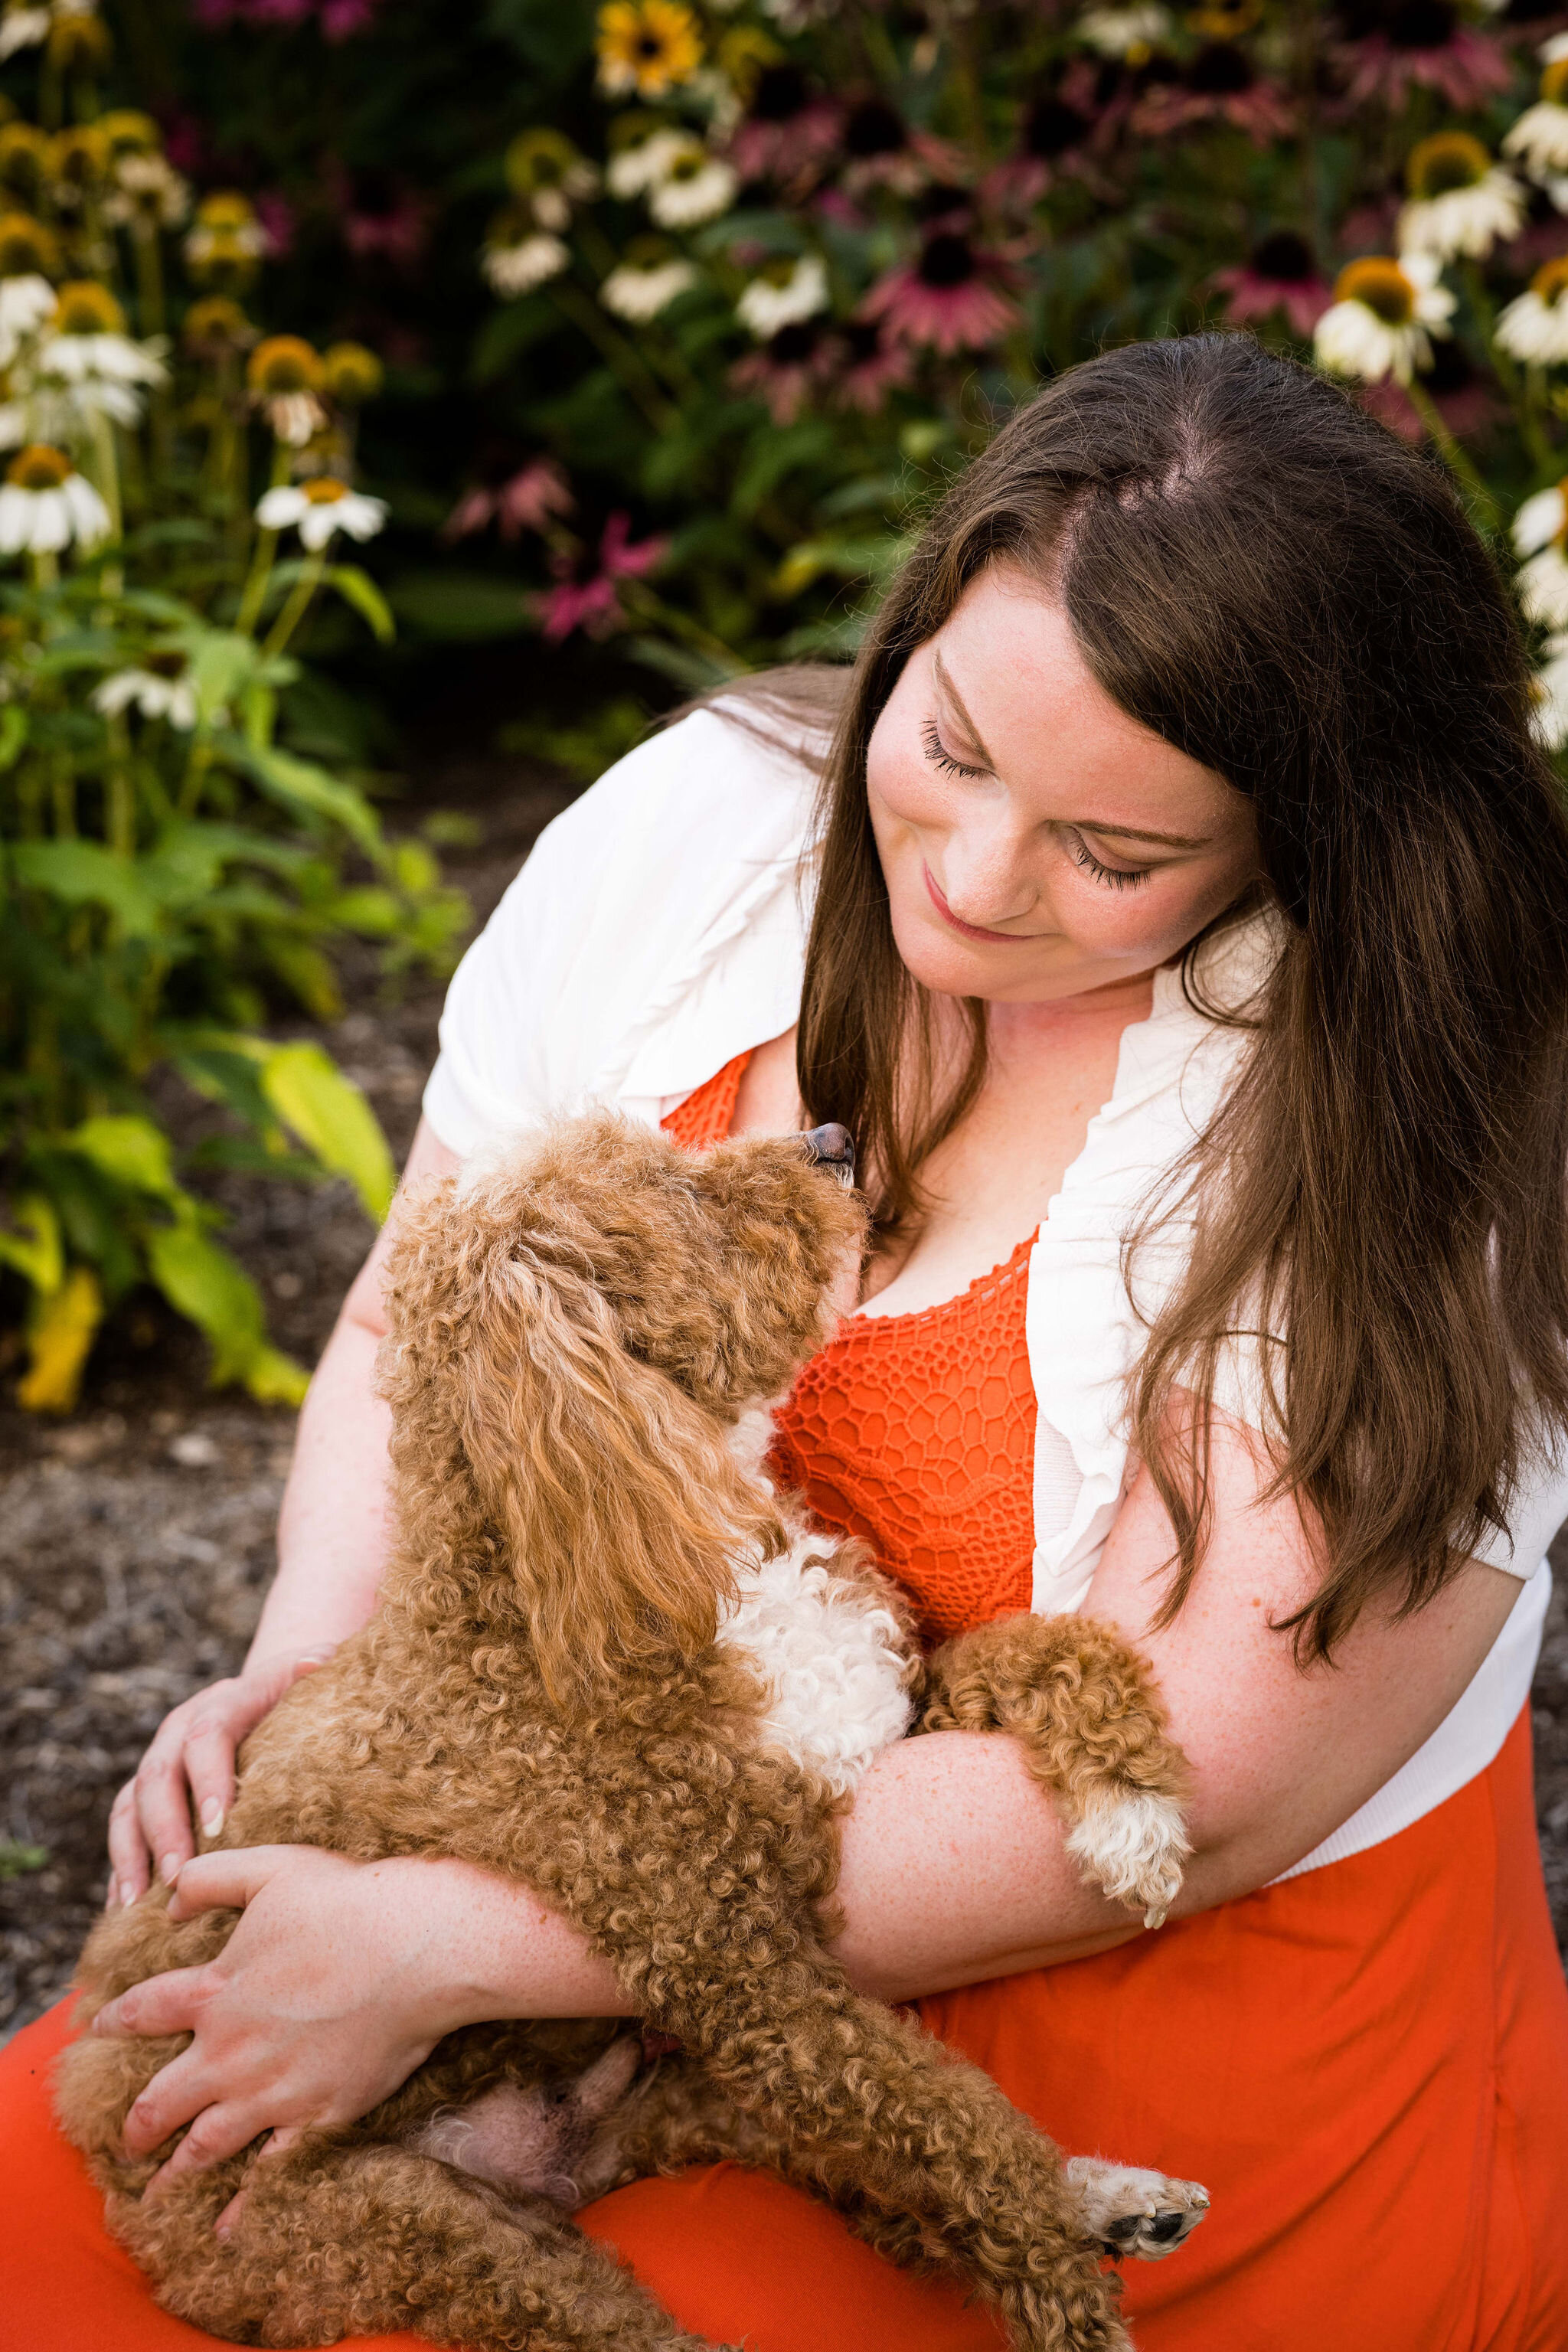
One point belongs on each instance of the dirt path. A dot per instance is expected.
(136, 1540)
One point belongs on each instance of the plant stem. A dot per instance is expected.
(1453, 456)
(300, 595)
(254, 592)
(105, 467)
(44, 565)
(623, 358)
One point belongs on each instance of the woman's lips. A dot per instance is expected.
(972, 930)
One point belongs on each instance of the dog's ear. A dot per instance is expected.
(623, 1512)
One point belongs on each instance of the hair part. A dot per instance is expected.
(1276, 585)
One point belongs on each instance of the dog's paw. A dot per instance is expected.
(1136, 2212)
(1132, 1842)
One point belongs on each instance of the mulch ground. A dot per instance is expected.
(136, 1539)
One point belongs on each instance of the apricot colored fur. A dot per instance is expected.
(573, 1336)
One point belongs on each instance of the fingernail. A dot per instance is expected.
(169, 1868)
(211, 1817)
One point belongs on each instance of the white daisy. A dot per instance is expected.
(1534, 326)
(86, 351)
(518, 268)
(639, 293)
(1383, 317)
(25, 303)
(316, 510)
(1460, 200)
(1123, 32)
(22, 28)
(1541, 584)
(153, 697)
(43, 506)
(633, 170)
(785, 292)
(1549, 695)
(149, 193)
(694, 187)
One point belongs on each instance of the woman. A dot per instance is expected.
(1187, 951)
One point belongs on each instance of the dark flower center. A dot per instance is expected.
(1219, 71)
(649, 45)
(874, 127)
(794, 345)
(780, 94)
(862, 341)
(1450, 370)
(1284, 257)
(1051, 127)
(948, 260)
(941, 201)
(1422, 24)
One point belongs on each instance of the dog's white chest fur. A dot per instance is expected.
(833, 1661)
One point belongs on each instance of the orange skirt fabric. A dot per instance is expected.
(1367, 2065)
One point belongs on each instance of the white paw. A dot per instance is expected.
(1132, 1843)
(1133, 2211)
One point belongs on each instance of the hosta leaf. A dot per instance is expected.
(331, 1119)
(59, 1340)
(81, 873)
(203, 1283)
(129, 1152)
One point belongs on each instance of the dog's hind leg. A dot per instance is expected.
(340, 2240)
(1085, 1711)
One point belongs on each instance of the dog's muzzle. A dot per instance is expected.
(831, 1147)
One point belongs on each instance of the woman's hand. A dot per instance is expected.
(336, 1983)
(189, 1768)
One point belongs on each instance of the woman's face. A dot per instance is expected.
(1039, 843)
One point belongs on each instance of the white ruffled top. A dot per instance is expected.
(658, 929)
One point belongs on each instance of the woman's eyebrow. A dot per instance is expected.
(946, 687)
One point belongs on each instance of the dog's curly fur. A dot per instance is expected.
(546, 1691)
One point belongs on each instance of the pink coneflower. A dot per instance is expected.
(534, 495)
(594, 605)
(1220, 85)
(341, 19)
(787, 369)
(1423, 42)
(951, 298)
(387, 219)
(882, 150)
(1281, 274)
(789, 134)
(873, 367)
(1052, 135)
(278, 220)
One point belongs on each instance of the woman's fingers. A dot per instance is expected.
(273, 2145)
(225, 1882)
(127, 1850)
(163, 1802)
(165, 2004)
(209, 1767)
(216, 2134)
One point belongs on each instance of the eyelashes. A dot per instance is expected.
(1113, 877)
(941, 757)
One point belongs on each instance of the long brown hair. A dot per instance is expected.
(1279, 587)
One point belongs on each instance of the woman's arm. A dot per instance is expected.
(341, 1976)
(331, 1548)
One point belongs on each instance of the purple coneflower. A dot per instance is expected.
(951, 298)
(873, 367)
(1280, 273)
(787, 369)
(1424, 42)
(594, 605)
(788, 132)
(527, 501)
(1220, 85)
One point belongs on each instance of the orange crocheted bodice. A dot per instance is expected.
(914, 1431)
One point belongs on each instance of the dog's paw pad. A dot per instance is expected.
(1144, 2214)
(1132, 1843)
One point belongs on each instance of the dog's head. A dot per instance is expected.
(582, 1319)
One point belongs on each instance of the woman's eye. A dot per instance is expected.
(936, 752)
(1115, 878)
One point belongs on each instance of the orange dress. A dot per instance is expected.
(1367, 2064)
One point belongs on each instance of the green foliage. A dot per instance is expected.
(18, 1861)
(176, 867)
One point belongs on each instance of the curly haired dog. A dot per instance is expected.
(612, 1663)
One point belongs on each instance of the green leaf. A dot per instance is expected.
(373, 913)
(203, 1283)
(129, 1152)
(81, 873)
(308, 972)
(356, 587)
(37, 1252)
(16, 1860)
(461, 605)
(273, 1378)
(59, 1338)
(12, 733)
(301, 785)
(331, 1119)
(222, 663)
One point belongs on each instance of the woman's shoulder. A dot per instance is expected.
(666, 892)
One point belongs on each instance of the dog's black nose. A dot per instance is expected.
(832, 1147)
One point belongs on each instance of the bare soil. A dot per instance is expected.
(136, 1539)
